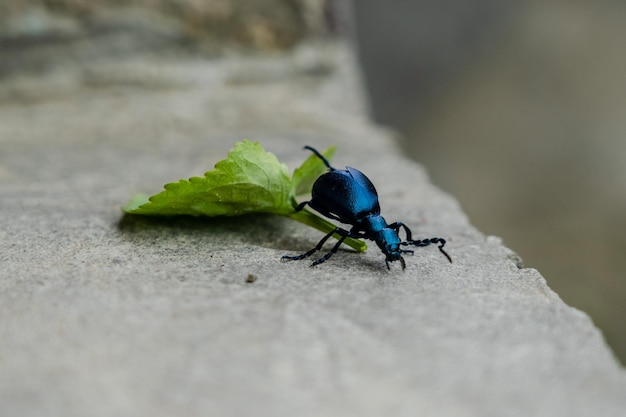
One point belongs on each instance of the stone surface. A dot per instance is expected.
(31, 29)
(102, 314)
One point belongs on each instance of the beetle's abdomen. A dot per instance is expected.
(348, 194)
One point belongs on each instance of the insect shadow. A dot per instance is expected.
(258, 229)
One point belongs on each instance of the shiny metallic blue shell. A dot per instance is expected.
(348, 195)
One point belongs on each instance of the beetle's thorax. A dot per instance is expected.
(372, 224)
(387, 239)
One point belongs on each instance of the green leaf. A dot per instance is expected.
(136, 201)
(249, 180)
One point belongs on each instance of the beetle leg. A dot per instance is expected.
(332, 251)
(301, 205)
(344, 234)
(397, 225)
(357, 235)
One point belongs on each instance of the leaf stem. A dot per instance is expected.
(324, 226)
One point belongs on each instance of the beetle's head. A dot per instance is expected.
(389, 242)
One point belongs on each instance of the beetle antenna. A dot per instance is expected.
(425, 242)
(320, 156)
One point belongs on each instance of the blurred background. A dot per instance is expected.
(516, 108)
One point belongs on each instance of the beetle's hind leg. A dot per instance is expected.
(343, 233)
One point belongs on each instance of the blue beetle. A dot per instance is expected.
(350, 197)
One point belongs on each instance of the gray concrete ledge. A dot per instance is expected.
(101, 315)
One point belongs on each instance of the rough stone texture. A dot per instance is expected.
(31, 30)
(105, 315)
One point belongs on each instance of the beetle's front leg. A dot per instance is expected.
(397, 225)
(423, 242)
